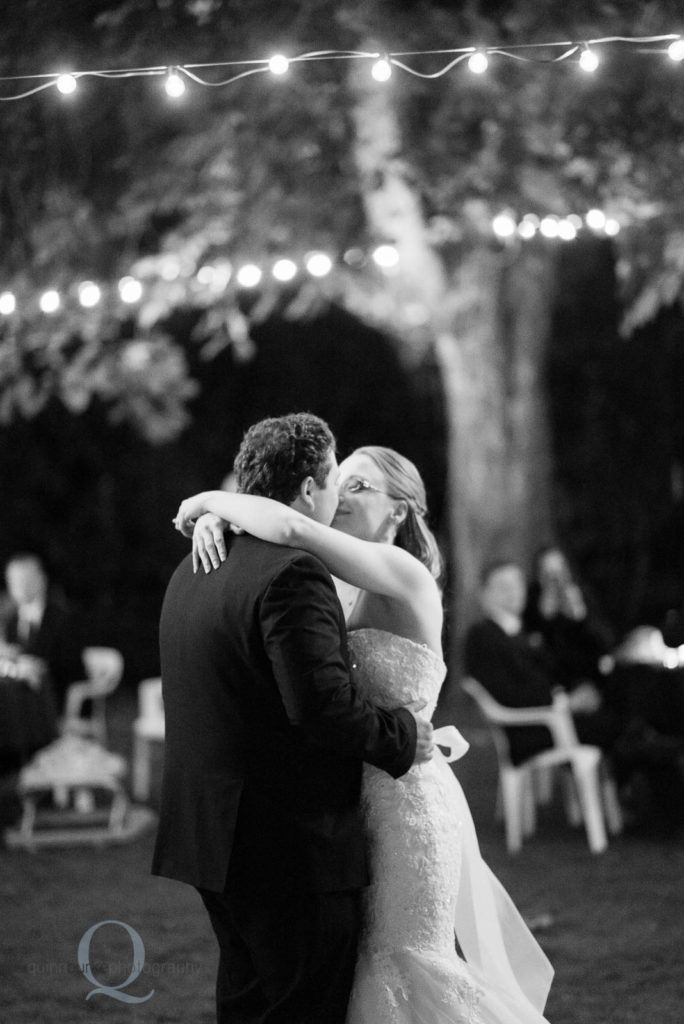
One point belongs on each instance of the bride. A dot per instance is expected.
(429, 884)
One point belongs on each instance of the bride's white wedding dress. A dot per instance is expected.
(429, 882)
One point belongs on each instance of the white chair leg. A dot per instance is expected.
(543, 785)
(528, 805)
(512, 783)
(141, 768)
(573, 809)
(586, 777)
(611, 804)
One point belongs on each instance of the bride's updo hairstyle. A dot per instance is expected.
(404, 481)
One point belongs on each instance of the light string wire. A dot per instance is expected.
(457, 55)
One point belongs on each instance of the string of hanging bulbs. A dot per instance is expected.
(211, 279)
(587, 54)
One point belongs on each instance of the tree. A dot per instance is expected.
(326, 159)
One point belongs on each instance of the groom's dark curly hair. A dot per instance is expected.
(276, 454)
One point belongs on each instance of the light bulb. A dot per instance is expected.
(549, 227)
(527, 229)
(174, 85)
(503, 225)
(284, 270)
(566, 230)
(130, 289)
(50, 301)
(66, 84)
(386, 256)
(611, 227)
(596, 220)
(675, 50)
(318, 264)
(478, 63)
(278, 64)
(588, 60)
(248, 276)
(89, 294)
(8, 303)
(381, 70)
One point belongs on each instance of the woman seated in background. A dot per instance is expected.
(559, 613)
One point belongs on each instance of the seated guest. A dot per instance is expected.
(560, 612)
(40, 626)
(518, 670)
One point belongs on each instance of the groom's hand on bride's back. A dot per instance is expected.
(425, 746)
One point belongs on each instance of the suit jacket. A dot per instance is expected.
(56, 640)
(516, 675)
(265, 735)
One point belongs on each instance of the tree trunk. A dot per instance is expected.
(489, 322)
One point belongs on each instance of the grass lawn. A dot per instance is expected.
(615, 935)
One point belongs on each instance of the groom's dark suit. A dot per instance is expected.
(265, 739)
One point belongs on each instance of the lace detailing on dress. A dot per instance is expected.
(408, 969)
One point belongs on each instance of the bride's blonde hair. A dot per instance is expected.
(405, 482)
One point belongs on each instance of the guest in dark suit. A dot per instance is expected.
(42, 626)
(520, 673)
(265, 740)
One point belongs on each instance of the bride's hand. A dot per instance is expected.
(188, 512)
(208, 544)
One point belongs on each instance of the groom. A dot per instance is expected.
(265, 739)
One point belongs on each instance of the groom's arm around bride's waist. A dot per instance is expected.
(304, 638)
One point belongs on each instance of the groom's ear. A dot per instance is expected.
(304, 499)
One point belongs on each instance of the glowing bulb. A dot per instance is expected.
(354, 258)
(611, 227)
(284, 270)
(566, 230)
(381, 70)
(50, 301)
(248, 276)
(503, 225)
(675, 51)
(130, 289)
(528, 226)
(318, 264)
(386, 256)
(66, 84)
(576, 221)
(89, 294)
(478, 63)
(596, 220)
(174, 85)
(278, 64)
(549, 227)
(8, 303)
(588, 60)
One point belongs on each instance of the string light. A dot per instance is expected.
(478, 63)
(284, 270)
(174, 84)
(50, 301)
(278, 65)
(216, 276)
(249, 276)
(66, 84)
(588, 60)
(318, 264)
(675, 51)
(130, 290)
(382, 70)
(89, 294)
(8, 303)
(386, 256)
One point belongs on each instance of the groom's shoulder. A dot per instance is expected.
(274, 558)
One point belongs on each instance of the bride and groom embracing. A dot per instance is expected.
(304, 795)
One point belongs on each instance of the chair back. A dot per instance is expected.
(150, 702)
(492, 713)
(555, 716)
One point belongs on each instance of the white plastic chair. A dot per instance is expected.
(148, 728)
(589, 789)
(104, 667)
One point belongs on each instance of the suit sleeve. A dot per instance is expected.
(300, 622)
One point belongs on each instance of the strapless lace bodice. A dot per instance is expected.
(392, 670)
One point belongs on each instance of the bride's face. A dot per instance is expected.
(364, 509)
